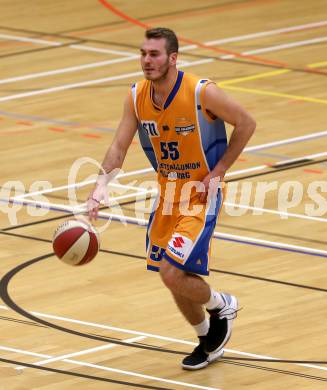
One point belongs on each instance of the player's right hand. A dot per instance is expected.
(98, 194)
(92, 208)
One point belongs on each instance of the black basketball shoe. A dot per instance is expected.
(199, 358)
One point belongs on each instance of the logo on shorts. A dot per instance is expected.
(180, 246)
(178, 242)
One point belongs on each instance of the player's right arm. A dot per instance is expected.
(114, 157)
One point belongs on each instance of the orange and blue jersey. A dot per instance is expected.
(183, 143)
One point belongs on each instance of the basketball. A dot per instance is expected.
(76, 242)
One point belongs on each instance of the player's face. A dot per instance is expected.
(154, 59)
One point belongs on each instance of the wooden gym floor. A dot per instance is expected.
(65, 69)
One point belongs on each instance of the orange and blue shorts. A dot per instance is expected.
(182, 238)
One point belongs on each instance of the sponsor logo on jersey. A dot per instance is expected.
(184, 126)
(180, 246)
(165, 128)
(184, 130)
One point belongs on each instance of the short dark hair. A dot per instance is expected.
(168, 34)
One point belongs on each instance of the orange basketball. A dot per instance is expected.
(76, 242)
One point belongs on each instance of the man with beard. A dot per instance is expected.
(180, 120)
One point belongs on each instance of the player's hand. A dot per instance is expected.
(98, 194)
(211, 182)
(92, 207)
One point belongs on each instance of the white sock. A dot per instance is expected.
(202, 328)
(215, 301)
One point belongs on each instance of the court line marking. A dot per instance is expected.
(276, 212)
(318, 64)
(68, 69)
(31, 40)
(110, 369)
(76, 68)
(279, 47)
(268, 74)
(73, 46)
(83, 352)
(308, 156)
(155, 336)
(64, 87)
(100, 50)
(282, 162)
(107, 327)
(275, 94)
(254, 77)
(70, 86)
(273, 358)
(286, 141)
(53, 121)
(227, 84)
(139, 190)
(267, 33)
(271, 243)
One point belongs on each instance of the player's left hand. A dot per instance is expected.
(211, 182)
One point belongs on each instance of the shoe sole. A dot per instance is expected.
(214, 356)
(233, 305)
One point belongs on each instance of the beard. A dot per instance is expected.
(160, 74)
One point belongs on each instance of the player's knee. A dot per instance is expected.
(170, 275)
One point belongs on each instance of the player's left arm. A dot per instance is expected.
(227, 109)
(223, 106)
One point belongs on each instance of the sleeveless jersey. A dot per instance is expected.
(182, 142)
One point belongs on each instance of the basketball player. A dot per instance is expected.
(180, 120)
